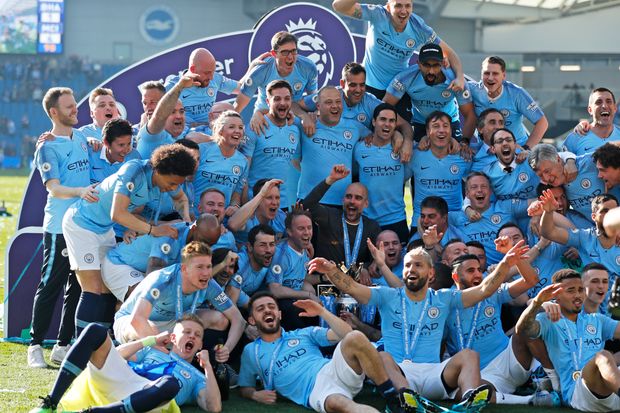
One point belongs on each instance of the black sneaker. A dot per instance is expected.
(405, 401)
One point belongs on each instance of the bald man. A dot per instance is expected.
(342, 232)
(198, 100)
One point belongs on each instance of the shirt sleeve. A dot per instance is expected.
(47, 163)
(256, 78)
(379, 296)
(128, 179)
(226, 85)
(578, 238)
(528, 107)
(309, 102)
(161, 248)
(216, 296)
(609, 327)
(249, 144)
(318, 335)
(243, 177)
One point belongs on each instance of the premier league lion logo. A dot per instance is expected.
(321, 37)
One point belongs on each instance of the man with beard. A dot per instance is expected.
(254, 262)
(167, 294)
(102, 109)
(287, 276)
(198, 99)
(263, 209)
(270, 155)
(394, 34)
(298, 370)
(510, 177)
(380, 170)
(427, 85)
(283, 63)
(494, 91)
(437, 172)
(424, 312)
(341, 231)
(607, 160)
(386, 268)
(505, 362)
(593, 244)
(167, 123)
(333, 144)
(589, 375)
(213, 201)
(108, 377)
(151, 93)
(65, 172)
(602, 107)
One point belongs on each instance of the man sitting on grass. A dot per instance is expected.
(110, 385)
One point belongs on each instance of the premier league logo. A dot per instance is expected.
(321, 37)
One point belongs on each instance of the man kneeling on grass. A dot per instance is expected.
(108, 384)
(291, 363)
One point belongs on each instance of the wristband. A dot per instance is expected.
(148, 341)
(150, 229)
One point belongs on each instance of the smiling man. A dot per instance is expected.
(298, 370)
(607, 160)
(589, 374)
(602, 107)
(167, 294)
(494, 91)
(102, 109)
(108, 376)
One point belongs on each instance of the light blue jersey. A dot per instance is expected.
(566, 340)
(514, 103)
(271, 156)
(521, 183)
(160, 207)
(147, 142)
(137, 253)
(485, 229)
(483, 158)
(479, 328)
(92, 131)
(288, 267)
(162, 288)
(229, 175)
(591, 250)
(303, 78)
(101, 167)
(581, 145)
(587, 185)
(66, 159)
(361, 112)
(429, 316)
(133, 179)
(425, 99)
(382, 173)
(277, 224)
(451, 232)
(191, 380)
(251, 280)
(197, 101)
(288, 365)
(226, 240)
(329, 146)
(439, 177)
(387, 51)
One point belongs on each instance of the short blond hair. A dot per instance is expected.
(50, 100)
(195, 249)
(100, 91)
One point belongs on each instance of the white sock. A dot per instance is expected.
(555, 379)
(505, 398)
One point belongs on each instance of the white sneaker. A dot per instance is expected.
(35, 357)
(59, 353)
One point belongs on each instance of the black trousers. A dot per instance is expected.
(56, 275)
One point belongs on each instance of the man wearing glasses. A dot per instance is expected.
(283, 63)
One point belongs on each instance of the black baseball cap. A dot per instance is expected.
(430, 51)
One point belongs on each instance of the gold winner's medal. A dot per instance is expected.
(576, 375)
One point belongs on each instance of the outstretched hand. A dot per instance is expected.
(548, 293)
(516, 253)
(321, 265)
(311, 308)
